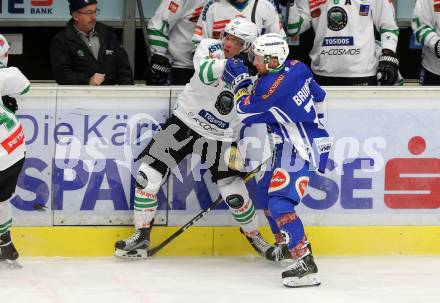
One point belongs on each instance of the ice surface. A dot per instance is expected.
(219, 279)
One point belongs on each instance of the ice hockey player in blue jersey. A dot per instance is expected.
(288, 100)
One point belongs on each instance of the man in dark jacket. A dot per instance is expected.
(87, 52)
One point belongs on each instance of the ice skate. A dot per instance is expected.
(135, 247)
(260, 245)
(279, 253)
(8, 253)
(302, 273)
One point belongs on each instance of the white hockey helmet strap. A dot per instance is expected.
(4, 48)
(243, 29)
(271, 46)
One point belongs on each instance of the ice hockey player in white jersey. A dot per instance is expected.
(216, 14)
(204, 123)
(343, 51)
(425, 24)
(12, 147)
(170, 32)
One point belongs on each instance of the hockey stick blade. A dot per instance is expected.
(214, 204)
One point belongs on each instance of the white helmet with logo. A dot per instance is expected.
(4, 48)
(243, 29)
(269, 46)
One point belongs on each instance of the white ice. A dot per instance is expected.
(397, 279)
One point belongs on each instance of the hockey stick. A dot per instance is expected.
(144, 29)
(214, 204)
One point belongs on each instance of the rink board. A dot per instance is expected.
(383, 172)
(227, 241)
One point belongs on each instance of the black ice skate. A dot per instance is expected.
(8, 253)
(279, 252)
(135, 247)
(302, 273)
(259, 244)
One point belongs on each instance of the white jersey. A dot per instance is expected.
(216, 14)
(425, 24)
(344, 43)
(196, 104)
(171, 28)
(12, 146)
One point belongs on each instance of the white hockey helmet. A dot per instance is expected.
(242, 28)
(269, 46)
(4, 48)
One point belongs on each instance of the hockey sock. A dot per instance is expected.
(5, 217)
(235, 194)
(148, 181)
(279, 238)
(283, 211)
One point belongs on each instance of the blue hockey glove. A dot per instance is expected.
(236, 74)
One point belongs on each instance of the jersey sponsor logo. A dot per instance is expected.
(337, 41)
(173, 7)
(274, 87)
(202, 124)
(214, 48)
(12, 142)
(301, 185)
(315, 13)
(205, 11)
(196, 14)
(364, 9)
(211, 118)
(341, 52)
(323, 144)
(336, 18)
(315, 3)
(218, 25)
(437, 7)
(280, 179)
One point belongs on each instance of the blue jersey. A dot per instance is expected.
(285, 100)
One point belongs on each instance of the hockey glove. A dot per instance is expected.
(286, 2)
(247, 61)
(158, 71)
(10, 103)
(236, 74)
(437, 48)
(387, 70)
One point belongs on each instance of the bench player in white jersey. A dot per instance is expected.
(426, 26)
(343, 51)
(12, 147)
(216, 14)
(169, 36)
(201, 123)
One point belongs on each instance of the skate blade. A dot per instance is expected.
(135, 254)
(10, 264)
(306, 281)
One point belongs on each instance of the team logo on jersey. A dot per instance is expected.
(173, 7)
(336, 18)
(280, 179)
(301, 185)
(364, 9)
(12, 142)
